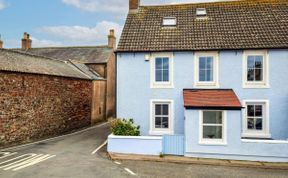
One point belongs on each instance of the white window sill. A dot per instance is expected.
(256, 86)
(255, 135)
(161, 85)
(162, 132)
(206, 85)
(212, 143)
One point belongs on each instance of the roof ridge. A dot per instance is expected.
(63, 47)
(206, 3)
(34, 55)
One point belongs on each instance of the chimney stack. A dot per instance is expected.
(26, 41)
(1, 44)
(134, 5)
(112, 39)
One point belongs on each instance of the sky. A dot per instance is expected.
(65, 22)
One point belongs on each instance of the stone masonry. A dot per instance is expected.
(36, 106)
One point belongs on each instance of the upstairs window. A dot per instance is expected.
(161, 71)
(206, 70)
(169, 21)
(255, 69)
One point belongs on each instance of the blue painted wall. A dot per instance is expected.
(235, 148)
(134, 92)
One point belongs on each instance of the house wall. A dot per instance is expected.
(235, 147)
(134, 92)
(39, 106)
(108, 72)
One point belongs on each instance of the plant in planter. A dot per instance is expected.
(124, 127)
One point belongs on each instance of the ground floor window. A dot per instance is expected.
(212, 127)
(256, 119)
(161, 117)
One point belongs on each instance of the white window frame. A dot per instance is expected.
(153, 82)
(206, 141)
(161, 131)
(215, 82)
(265, 133)
(170, 22)
(256, 84)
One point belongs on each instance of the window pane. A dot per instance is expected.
(158, 62)
(258, 110)
(258, 74)
(250, 75)
(250, 110)
(202, 62)
(165, 63)
(212, 132)
(212, 117)
(165, 109)
(158, 109)
(165, 76)
(258, 61)
(202, 74)
(157, 122)
(259, 124)
(250, 123)
(165, 123)
(209, 62)
(158, 75)
(250, 62)
(209, 76)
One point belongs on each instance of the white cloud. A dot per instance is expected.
(3, 5)
(44, 43)
(114, 6)
(83, 34)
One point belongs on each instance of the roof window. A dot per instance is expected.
(169, 21)
(200, 12)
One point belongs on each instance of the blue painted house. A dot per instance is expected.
(209, 79)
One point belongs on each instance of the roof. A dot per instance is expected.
(84, 54)
(85, 69)
(16, 61)
(245, 24)
(224, 99)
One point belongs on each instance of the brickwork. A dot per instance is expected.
(39, 106)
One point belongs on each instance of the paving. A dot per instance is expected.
(71, 157)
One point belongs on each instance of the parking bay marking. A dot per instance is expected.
(6, 154)
(24, 161)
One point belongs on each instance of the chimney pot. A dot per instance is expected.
(26, 41)
(112, 39)
(1, 44)
(134, 5)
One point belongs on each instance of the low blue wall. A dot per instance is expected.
(143, 145)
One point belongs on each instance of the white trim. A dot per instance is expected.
(215, 83)
(265, 83)
(153, 83)
(111, 136)
(265, 141)
(222, 141)
(170, 130)
(266, 124)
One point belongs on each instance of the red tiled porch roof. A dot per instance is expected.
(224, 99)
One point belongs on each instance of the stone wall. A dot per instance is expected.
(39, 106)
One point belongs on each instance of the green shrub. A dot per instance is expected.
(124, 127)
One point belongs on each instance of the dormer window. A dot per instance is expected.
(201, 12)
(169, 21)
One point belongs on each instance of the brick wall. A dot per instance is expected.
(39, 106)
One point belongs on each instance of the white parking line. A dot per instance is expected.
(7, 154)
(97, 149)
(24, 161)
(129, 171)
(116, 162)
